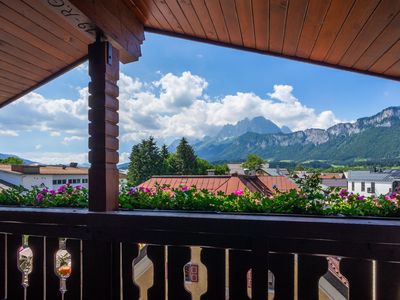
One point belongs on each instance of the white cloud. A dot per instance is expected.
(124, 157)
(6, 132)
(38, 147)
(171, 107)
(52, 158)
(68, 140)
(55, 133)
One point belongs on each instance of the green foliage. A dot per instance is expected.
(12, 160)
(145, 161)
(304, 201)
(185, 158)
(253, 162)
(64, 196)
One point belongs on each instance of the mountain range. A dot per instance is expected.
(370, 138)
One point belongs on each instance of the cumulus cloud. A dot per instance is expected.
(52, 158)
(175, 105)
(7, 132)
(67, 140)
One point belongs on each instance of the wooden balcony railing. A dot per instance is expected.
(293, 248)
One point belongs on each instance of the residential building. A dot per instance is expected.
(334, 183)
(239, 170)
(373, 183)
(50, 176)
(225, 183)
(29, 176)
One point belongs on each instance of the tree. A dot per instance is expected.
(185, 158)
(253, 162)
(12, 160)
(164, 155)
(299, 167)
(145, 161)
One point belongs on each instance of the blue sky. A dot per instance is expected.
(180, 87)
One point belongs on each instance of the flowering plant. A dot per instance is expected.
(309, 199)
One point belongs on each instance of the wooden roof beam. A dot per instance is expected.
(112, 17)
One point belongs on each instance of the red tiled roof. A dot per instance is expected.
(225, 183)
(282, 183)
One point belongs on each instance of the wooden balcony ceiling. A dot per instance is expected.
(360, 35)
(38, 43)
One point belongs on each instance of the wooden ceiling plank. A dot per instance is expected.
(334, 20)
(18, 71)
(140, 14)
(294, 23)
(204, 17)
(380, 46)
(45, 23)
(8, 89)
(11, 83)
(192, 17)
(118, 8)
(394, 70)
(316, 12)
(180, 16)
(355, 21)
(169, 16)
(17, 31)
(34, 51)
(149, 8)
(41, 7)
(12, 76)
(232, 21)
(387, 59)
(261, 23)
(29, 67)
(143, 15)
(277, 23)
(246, 21)
(35, 29)
(217, 17)
(380, 18)
(26, 56)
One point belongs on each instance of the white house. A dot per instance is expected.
(373, 183)
(51, 177)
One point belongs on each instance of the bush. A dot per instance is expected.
(303, 201)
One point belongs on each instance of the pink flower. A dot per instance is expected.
(343, 193)
(79, 187)
(39, 197)
(184, 188)
(360, 198)
(61, 189)
(238, 192)
(52, 192)
(45, 190)
(147, 190)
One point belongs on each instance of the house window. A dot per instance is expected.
(84, 180)
(373, 187)
(78, 181)
(64, 181)
(362, 186)
(352, 186)
(74, 180)
(69, 180)
(59, 181)
(54, 182)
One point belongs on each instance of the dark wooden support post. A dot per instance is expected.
(102, 258)
(103, 128)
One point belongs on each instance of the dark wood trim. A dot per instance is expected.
(46, 80)
(103, 115)
(296, 58)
